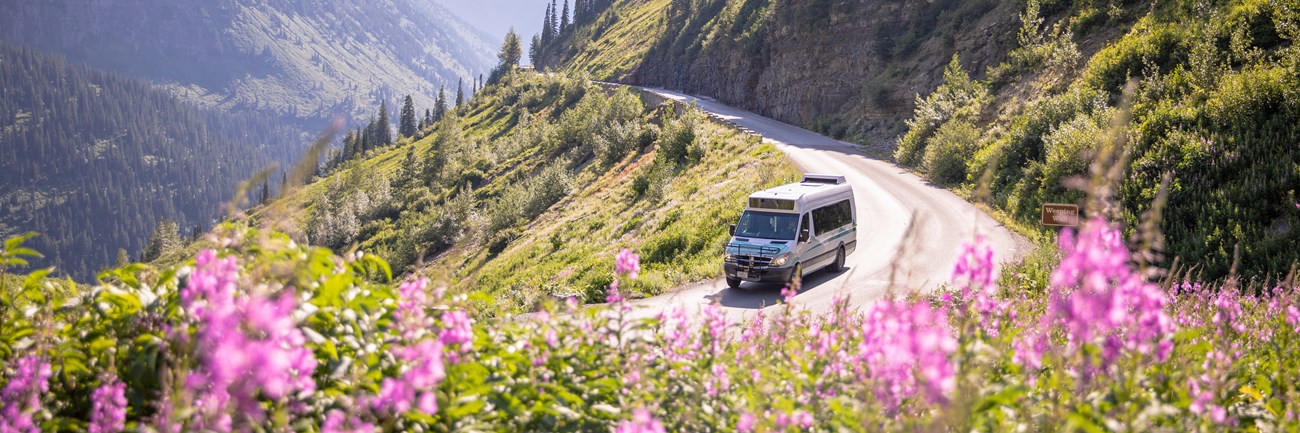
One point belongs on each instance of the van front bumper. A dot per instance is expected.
(758, 273)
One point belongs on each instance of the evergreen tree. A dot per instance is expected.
(166, 238)
(535, 51)
(547, 33)
(384, 134)
(554, 24)
(440, 109)
(266, 193)
(509, 57)
(428, 118)
(564, 18)
(407, 126)
(122, 258)
(349, 147)
(460, 92)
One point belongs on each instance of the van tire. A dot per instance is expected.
(733, 283)
(838, 264)
(796, 275)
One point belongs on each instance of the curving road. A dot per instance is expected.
(909, 231)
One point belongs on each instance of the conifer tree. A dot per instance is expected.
(407, 126)
(460, 92)
(166, 238)
(384, 136)
(123, 258)
(535, 51)
(555, 20)
(440, 109)
(266, 193)
(509, 57)
(547, 33)
(564, 18)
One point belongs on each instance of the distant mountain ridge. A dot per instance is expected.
(306, 59)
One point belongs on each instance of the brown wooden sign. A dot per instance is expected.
(1060, 215)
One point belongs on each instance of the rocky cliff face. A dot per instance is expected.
(845, 67)
(307, 59)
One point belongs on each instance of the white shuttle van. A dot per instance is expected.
(791, 230)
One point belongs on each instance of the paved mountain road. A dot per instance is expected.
(909, 231)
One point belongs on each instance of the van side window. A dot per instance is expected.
(803, 223)
(832, 217)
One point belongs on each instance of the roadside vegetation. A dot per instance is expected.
(1210, 109)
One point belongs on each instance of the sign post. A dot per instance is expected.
(1060, 215)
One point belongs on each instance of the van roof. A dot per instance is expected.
(810, 185)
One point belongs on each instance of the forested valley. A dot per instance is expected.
(93, 161)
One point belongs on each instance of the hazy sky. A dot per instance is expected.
(497, 16)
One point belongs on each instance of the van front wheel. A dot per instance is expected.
(796, 276)
(733, 283)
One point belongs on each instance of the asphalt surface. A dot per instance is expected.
(909, 231)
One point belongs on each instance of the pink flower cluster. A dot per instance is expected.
(22, 395)
(641, 422)
(627, 262)
(457, 330)
(976, 275)
(907, 349)
(423, 358)
(108, 411)
(1097, 296)
(246, 345)
(337, 422)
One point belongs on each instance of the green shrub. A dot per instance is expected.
(947, 152)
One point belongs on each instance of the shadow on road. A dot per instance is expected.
(758, 295)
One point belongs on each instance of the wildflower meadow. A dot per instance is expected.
(263, 334)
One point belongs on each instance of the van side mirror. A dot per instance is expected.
(731, 230)
(803, 235)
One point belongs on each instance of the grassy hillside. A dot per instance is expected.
(530, 189)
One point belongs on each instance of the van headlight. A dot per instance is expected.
(728, 257)
(780, 260)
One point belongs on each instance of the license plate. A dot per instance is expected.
(742, 274)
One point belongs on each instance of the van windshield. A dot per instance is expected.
(767, 225)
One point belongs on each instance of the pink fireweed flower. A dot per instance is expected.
(410, 317)
(1096, 296)
(718, 382)
(613, 296)
(22, 395)
(641, 422)
(975, 270)
(457, 330)
(337, 422)
(802, 418)
(108, 408)
(746, 423)
(1293, 317)
(976, 275)
(627, 263)
(906, 349)
(246, 346)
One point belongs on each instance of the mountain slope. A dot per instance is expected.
(1032, 94)
(846, 68)
(91, 160)
(308, 59)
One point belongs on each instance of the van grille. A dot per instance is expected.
(753, 261)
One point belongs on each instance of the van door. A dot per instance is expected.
(811, 252)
